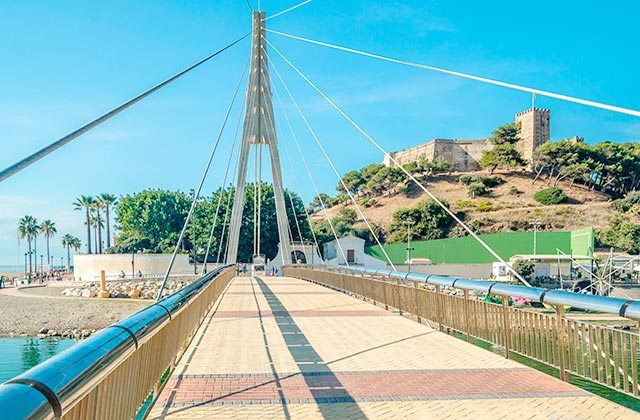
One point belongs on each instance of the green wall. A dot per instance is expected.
(467, 250)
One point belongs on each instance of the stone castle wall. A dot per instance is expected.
(464, 155)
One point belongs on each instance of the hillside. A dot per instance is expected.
(503, 209)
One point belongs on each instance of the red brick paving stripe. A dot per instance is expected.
(280, 293)
(358, 386)
(299, 313)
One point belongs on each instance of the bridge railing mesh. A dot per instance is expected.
(605, 355)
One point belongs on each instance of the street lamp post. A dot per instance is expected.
(41, 264)
(409, 223)
(25, 263)
(62, 261)
(133, 264)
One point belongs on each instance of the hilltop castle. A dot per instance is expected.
(464, 155)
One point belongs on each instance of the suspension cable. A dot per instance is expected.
(199, 189)
(333, 167)
(313, 182)
(287, 10)
(34, 157)
(293, 209)
(507, 85)
(224, 183)
(295, 178)
(409, 175)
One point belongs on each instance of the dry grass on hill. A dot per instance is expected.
(501, 210)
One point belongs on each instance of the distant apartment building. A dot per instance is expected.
(464, 155)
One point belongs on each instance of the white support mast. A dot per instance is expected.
(259, 130)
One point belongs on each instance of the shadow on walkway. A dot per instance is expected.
(323, 384)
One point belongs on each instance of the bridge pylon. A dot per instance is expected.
(258, 131)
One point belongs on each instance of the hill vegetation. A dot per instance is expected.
(567, 185)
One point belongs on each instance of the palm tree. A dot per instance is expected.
(85, 202)
(70, 241)
(97, 224)
(67, 242)
(28, 229)
(107, 201)
(48, 229)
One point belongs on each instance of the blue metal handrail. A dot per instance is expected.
(627, 308)
(43, 391)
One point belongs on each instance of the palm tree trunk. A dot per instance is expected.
(88, 231)
(108, 227)
(99, 232)
(48, 254)
(95, 238)
(68, 257)
(35, 253)
(30, 266)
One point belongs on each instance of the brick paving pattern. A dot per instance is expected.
(286, 348)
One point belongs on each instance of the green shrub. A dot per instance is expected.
(462, 204)
(477, 189)
(490, 181)
(551, 196)
(514, 191)
(466, 179)
(485, 205)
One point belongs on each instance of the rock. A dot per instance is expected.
(87, 293)
(85, 333)
(43, 330)
(121, 295)
(135, 293)
(52, 333)
(42, 336)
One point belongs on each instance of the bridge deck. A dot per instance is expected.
(285, 348)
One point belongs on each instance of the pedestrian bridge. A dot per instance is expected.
(323, 343)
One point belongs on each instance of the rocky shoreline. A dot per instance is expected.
(128, 289)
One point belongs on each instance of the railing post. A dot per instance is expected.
(466, 315)
(415, 298)
(505, 325)
(561, 341)
(439, 306)
(398, 293)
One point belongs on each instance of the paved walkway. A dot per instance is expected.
(286, 348)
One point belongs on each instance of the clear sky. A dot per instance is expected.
(65, 62)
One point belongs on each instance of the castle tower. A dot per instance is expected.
(535, 130)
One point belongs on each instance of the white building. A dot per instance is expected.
(303, 252)
(353, 250)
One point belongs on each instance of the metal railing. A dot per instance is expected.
(605, 355)
(111, 374)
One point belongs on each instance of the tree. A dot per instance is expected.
(85, 203)
(348, 214)
(504, 152)
(151, 217)
(28, 229)
(431, 222)
(48, 229)
(98, 225)
(622, 233)
(319, 201)
(501, 155)
(524, 267)
(67, 242)
(107, 201)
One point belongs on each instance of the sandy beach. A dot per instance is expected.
(27, 311)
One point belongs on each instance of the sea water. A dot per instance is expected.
(19, 354)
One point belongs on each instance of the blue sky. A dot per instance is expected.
(66, 62)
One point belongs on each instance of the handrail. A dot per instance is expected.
(626, 308)
(54, 386)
